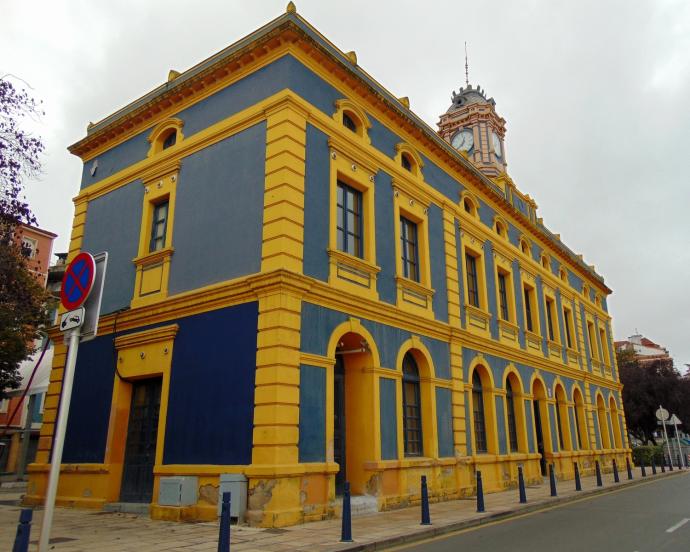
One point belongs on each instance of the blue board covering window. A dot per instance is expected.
(349, 223)
(472, 287)
(408, 246)
(412, 408)
(159, 226)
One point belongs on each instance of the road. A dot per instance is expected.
(653, 517)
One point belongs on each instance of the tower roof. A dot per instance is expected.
(468, 95)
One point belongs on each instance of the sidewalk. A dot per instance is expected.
(86, 531)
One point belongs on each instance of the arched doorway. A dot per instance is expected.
(354, 419)
(541, 422)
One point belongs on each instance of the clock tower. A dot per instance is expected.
(472, 126)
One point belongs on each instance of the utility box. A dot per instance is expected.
(236, 484)
(178, 491)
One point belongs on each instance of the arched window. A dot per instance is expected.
(406, 162)
(524, 247)
(349, 122)
(170, 139)
(512, 426)
(615, 423)
(412, 407)
(562, 275)
(603, 424)
(545, 262)
(165, 135)
(562, 419)
(478, 412)
(580, 420)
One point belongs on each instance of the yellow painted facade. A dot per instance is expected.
(553, 381)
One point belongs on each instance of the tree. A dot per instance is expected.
(645, 387)
(22, 299)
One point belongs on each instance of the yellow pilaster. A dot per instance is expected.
(283, 232)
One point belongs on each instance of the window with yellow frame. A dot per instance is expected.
(156, 235)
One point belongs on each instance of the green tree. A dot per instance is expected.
(645, 387)
(22, 299)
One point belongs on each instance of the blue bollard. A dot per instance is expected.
(426, 518)
(346, 529)
(578, 483)
(480, 492)
(627, 465)
(616, 479)
(552, 481)
(224, 536)
(644, 471)
(598, 470)
(521, 486)
(653, 466)
(21, 541)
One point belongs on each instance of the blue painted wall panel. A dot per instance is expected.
(312, 414)
(490, 271)
(113, 223)
(542, 315)
(437, 261)
(553, 427)
(469, 430)
(117, 158)
(389, 419)
(519, 301)
(440, 180)
(219, 212)
(461, 273)
(92, 394)
(573, 427)
(316, 199)
(382, 139)
(211, 407)
(585, 334)
(530, 426)
(444, 421)
(385, 234)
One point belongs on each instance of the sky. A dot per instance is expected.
(595, 95)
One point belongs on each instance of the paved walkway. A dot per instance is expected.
(87, 531)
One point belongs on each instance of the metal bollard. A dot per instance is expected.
(552, 481)
(598, 470)
(346, 529)
(627, 465)
(653, 466)
(663, 465)
(224, 536)
(426, 518)
(644, 471)
(578, 483)
(680, 462)
(480, 492)
(521, 486)
(616, 479)
(670, 463)
(21, 541)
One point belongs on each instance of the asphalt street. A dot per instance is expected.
(653, 517)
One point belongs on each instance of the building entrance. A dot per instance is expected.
(140, 450)
(339, 455)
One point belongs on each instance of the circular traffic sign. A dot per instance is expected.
(661, 414)
(78, 281)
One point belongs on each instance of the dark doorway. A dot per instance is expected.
(539, 435)
(140, 450)
(339, 422)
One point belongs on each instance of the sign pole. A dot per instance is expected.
(668, 445)
(680, 450)
(61, 426)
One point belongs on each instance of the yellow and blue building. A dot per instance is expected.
(307, 285)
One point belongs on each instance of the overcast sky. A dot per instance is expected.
(595, 95)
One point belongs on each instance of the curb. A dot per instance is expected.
(431, 532)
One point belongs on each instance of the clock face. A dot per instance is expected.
(497, 144)
(463, 140)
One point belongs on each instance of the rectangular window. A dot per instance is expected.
(29, 245)
(512, 426)
(479, 425)
(593, 350)
(549, 319)
(409, 249)
(472, 281)
(159, 226)
(568, 326)
(528, 311)
(503, 296)
(349, 225)
(604, 343)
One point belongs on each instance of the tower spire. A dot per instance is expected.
(467, 70)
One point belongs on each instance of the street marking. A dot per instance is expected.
(677, 525)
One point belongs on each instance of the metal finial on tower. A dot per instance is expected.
(467, 70)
